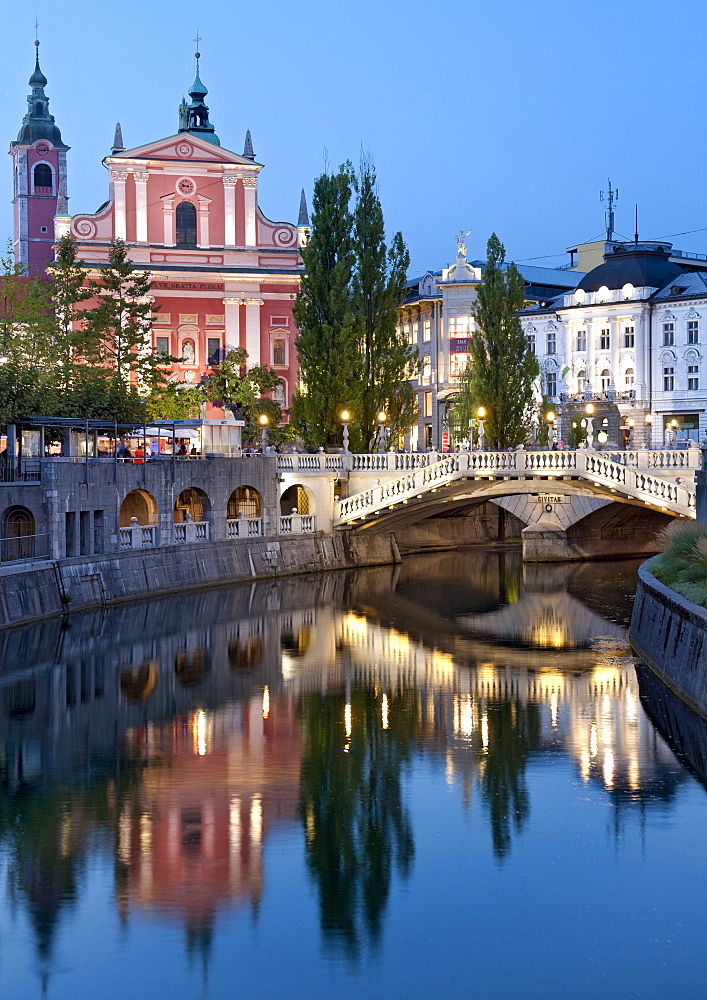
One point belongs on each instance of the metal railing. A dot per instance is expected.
(23, 548)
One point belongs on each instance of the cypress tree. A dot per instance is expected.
(502, 367)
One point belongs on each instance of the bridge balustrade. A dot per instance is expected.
(244, 527)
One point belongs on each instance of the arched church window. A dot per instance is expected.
(43, 176)
(38, 109)
(186, 224)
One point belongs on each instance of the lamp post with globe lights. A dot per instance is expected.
(551, 417)
(589, 413)
(345, 420)
(481, 415)
(382, 431)
(263, 420)
(649, 430)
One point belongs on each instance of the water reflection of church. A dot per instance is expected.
(212, 719)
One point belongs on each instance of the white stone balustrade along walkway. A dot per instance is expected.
(138, 536)
(597, 468)
(245, 527)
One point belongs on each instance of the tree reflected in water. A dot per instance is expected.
(357, 827)
(513, 733)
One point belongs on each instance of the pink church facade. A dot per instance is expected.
(223, 274)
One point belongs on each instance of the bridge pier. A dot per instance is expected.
(546, 541)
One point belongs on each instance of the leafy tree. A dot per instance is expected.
(68, 288)
(174, 401)
(328, 342)
(502, 367)
(117, 329)
(380, 274)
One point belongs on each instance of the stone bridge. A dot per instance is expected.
(570, 504)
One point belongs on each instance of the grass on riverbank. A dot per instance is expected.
(682, 565)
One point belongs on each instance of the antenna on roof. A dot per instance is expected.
(610, 197)
(636, 233)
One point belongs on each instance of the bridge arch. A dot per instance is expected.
(618, 529)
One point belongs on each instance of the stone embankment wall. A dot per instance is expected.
(36, 590)
(670, 634)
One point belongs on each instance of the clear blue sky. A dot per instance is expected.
(483, 116)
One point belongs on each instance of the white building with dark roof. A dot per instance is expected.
(438, 318)
(630, 339)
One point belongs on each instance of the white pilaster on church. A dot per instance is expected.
(141, 177)
(250, 185)
(203, 221)
(168, 219)
(119, 177)
(252, 330)
(229, 209)
(232, 304)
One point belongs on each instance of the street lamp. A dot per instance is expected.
(649, 430)
(589, 411)
(674, 429)
(481, 414)
(263, 420)
(382, 417)
(551, 417)
(345, 418)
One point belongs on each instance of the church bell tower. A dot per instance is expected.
(39, 163)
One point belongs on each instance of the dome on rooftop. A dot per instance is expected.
(638, 264)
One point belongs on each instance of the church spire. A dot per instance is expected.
(248, 151)
(194, 117)
(303, 219)
(117, 146)
(38, 123)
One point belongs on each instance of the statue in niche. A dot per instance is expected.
(188, 355)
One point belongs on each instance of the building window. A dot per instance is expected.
(162, 347)
(278, 353)
(459, 326)
(213, 351)
(426, 331)
(630, 376)
(629, 339)
(43, 179)
(552, 343)
(604, 340)
(668, 334)
(581, 381)
(426, 370)
(581, 340)
(552, 383)
(693, 377)
(186, 224)
(411, 333)
(428, 404)
(531, 342)
(693, 331)
(605, 379)
(668, 378)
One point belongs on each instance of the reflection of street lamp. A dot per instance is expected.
(382, 417)
(263, 420)
(649, 429)
(589, 410)
(345, 418)
(481, 414)
(551, 418)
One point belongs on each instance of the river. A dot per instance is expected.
(447, 778)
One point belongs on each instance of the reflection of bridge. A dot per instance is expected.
(548, 491)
